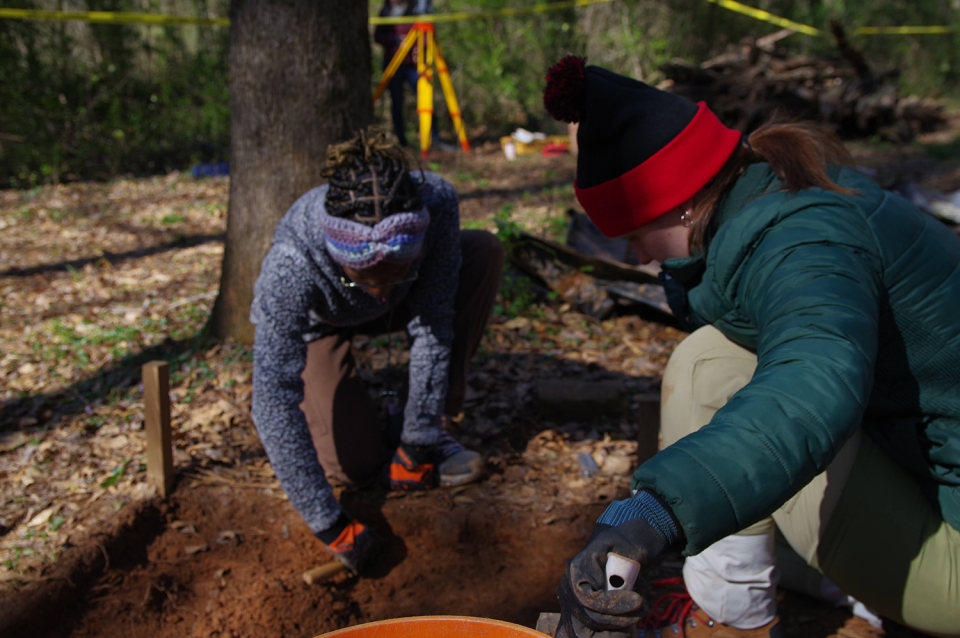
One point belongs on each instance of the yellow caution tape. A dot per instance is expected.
(799, 27)
(502, 13)
(766, 16)
(111, 17)
(903, 30)
(123, 17)
(117, 17)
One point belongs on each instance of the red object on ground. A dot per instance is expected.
(555, 150)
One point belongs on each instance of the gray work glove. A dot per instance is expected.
(586, 607)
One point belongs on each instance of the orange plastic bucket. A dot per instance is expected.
(436, 627)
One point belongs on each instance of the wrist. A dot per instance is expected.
(647, 506)
(333, 532)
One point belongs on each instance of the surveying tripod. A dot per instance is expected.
(428, 56)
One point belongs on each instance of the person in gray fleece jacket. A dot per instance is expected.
(377, 249)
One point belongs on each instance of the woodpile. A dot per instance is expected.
(748, 85)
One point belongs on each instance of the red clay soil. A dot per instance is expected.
(477, 559)
(228, 562)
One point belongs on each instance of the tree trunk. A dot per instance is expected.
(299, 81)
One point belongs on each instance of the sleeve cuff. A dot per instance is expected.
(647, 506)
(333, 532)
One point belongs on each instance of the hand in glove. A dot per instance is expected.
(586, 606)
(351, 542)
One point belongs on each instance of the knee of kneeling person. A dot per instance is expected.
(490, 244)
(483, 246)
(705, 370)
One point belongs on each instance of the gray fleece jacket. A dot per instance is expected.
(298, 298)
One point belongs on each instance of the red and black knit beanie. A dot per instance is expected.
(642, 151)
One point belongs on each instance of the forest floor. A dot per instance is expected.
(97, 279)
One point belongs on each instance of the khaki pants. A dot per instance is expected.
(343, 419)
(864, 522)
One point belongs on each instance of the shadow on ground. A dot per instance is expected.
(114, 258)
(41, 410)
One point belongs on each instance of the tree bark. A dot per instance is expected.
(299, 81)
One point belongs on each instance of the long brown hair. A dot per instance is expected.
(798, 153)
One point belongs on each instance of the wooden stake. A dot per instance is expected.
(156, 419)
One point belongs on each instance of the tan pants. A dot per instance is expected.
(344, 421)
(864, 522)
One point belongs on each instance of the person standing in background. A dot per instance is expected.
(390, 37)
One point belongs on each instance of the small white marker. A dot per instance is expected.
(621, 572)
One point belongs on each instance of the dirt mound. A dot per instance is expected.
(221, 561)
(229, 563)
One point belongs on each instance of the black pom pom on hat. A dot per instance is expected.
(566, 92)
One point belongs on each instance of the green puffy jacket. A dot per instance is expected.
(852, 304)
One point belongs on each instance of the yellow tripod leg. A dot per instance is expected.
(425, 85)
(395, 63)
(452, 105)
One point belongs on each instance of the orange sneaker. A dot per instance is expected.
(408, 470)
(446, 463)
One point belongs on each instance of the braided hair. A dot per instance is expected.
(369, 179)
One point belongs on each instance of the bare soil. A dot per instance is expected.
(464, 554)
(480, 558)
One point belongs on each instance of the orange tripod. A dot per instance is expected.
(428, 56)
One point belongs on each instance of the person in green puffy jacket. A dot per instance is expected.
(818, 393)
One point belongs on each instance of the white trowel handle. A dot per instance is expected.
(621, 572)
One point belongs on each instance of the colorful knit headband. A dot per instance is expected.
(397, 238)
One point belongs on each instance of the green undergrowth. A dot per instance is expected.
(92, 101)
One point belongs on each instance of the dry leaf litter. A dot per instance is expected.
(95, 275)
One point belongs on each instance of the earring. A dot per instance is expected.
(686, 220)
